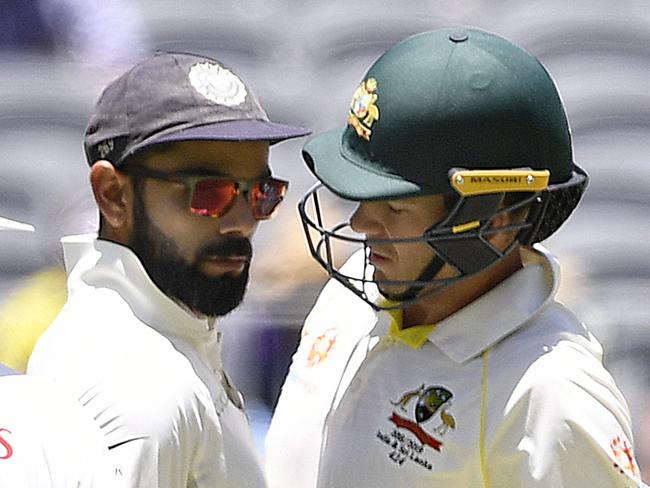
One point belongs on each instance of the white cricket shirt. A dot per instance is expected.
(150, 374)
(46, 439)
(509, 391)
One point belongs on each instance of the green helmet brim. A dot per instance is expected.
(349, 179)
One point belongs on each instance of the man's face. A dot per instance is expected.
(200, 261)
(394, 219)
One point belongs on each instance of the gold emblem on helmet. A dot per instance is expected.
(363, 110)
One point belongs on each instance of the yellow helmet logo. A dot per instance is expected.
(363, 108)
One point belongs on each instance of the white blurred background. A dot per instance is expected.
(304, 60)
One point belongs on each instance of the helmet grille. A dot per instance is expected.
(562, 201)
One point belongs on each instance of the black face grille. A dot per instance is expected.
(562, 199)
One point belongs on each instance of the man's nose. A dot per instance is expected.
(239, 219)
(362, 220)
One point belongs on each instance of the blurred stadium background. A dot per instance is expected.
(304, 60)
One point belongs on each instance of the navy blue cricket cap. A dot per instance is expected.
(174, 97)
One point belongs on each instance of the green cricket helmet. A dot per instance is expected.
(451, 112)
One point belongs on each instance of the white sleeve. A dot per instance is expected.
(152, 433)
(570, 425)
(336, 324)
(293, 441)
(47, 440)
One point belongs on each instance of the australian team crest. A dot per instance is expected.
(363, 108)
(421, 420)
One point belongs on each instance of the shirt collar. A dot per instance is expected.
(390, 324)
(98, 263)
(477, 326)
(502, 310)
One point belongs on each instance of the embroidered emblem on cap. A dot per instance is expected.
(217, 84)
(363, 108)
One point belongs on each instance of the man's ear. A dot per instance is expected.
(114, 196)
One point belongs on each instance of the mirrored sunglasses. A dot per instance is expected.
(213, 195)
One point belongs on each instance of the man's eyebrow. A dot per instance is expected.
(203, 171)
(200, 171)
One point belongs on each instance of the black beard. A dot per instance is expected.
(185, 282)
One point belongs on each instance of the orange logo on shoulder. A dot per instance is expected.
(321, 347)
(624, 456)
